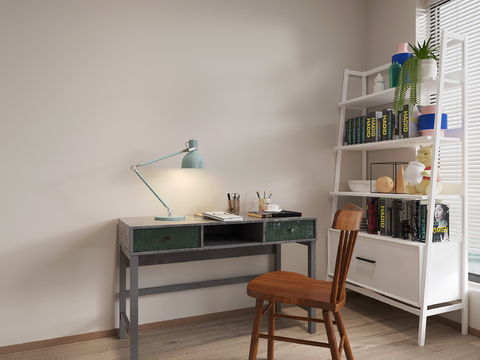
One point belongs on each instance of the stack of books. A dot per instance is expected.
(221, 216)
(279, 214)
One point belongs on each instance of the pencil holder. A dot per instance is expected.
(263, 204)
(233, 206)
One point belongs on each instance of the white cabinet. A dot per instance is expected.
(423, 278)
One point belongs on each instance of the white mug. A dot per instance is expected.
(271, 207)
(413, 173)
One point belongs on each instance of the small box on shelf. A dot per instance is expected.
(388, 176)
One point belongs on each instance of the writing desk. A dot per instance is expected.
(145, 241)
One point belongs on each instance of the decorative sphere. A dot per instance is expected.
(385, 184)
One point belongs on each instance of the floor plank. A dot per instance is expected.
(376, 331)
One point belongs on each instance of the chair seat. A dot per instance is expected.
(292, 288)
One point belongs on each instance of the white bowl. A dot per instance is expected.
(362, 185)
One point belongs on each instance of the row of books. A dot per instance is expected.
(380, 126)
(225, 216)
(406, 219)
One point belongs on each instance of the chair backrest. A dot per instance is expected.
(348, 221)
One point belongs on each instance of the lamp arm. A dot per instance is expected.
(134, 168)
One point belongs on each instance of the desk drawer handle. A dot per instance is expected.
(366, 260)
(291, 230)
(168, 238)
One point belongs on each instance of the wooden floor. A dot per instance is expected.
(376, 331)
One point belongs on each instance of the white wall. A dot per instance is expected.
(89, 88)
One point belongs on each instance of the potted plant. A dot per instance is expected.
(422, 64)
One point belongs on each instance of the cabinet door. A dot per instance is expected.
(387, 267)
(167, 238)
(289, 230)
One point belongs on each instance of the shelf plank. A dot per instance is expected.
(429, 86)
(396, 144)
(392, 196)
(387, 238)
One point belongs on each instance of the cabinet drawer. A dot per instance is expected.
(166, 238)
(289, 230)
(388, 267)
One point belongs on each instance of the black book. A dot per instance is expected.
(371, 216)
(363, 129)
(354, 131)
(423, 222)
(382, 217)
(349, 132)
(408, 126)
(404, 230)
(357, 129)
(372, 119)
(415, 220)
(383, 125)
(396, 208)
(389, 217)
(390, 125)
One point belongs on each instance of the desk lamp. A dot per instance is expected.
(193, 160)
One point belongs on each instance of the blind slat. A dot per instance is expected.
(462, 17)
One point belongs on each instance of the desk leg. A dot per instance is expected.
(134, 308)
(277, 266)
(122, 293)
(312, 273)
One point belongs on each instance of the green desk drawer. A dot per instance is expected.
(166, 238)
(289, 230)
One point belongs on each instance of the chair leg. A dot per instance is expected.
(257, 321)
(332, 340)
(271, 331)
(343, 334)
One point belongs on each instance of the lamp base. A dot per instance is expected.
(170, 218)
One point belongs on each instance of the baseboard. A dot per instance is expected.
(454, 324)
(42, 344)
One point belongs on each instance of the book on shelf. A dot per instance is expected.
(354, 131)
(349, 131)
(266, 215)
(387, 125)
(372, 119)
(372, 215)
(408, 125)
(363, 129)
(388, 217)
(441, 223)
(222, 216)
(390, 125)
(381, 216)
(359, 130)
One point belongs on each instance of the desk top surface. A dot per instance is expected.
(149, 221)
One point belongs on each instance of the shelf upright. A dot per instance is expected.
(437, 278)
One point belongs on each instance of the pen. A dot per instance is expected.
(269, 196)
(228, 196)
(258, 194)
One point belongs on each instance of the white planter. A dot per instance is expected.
(429, 68)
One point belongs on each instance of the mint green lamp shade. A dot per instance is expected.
(192, 160)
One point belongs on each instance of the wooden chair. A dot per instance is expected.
(292, 288)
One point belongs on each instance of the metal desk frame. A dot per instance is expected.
(131, 259)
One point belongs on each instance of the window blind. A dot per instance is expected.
(462, 17)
